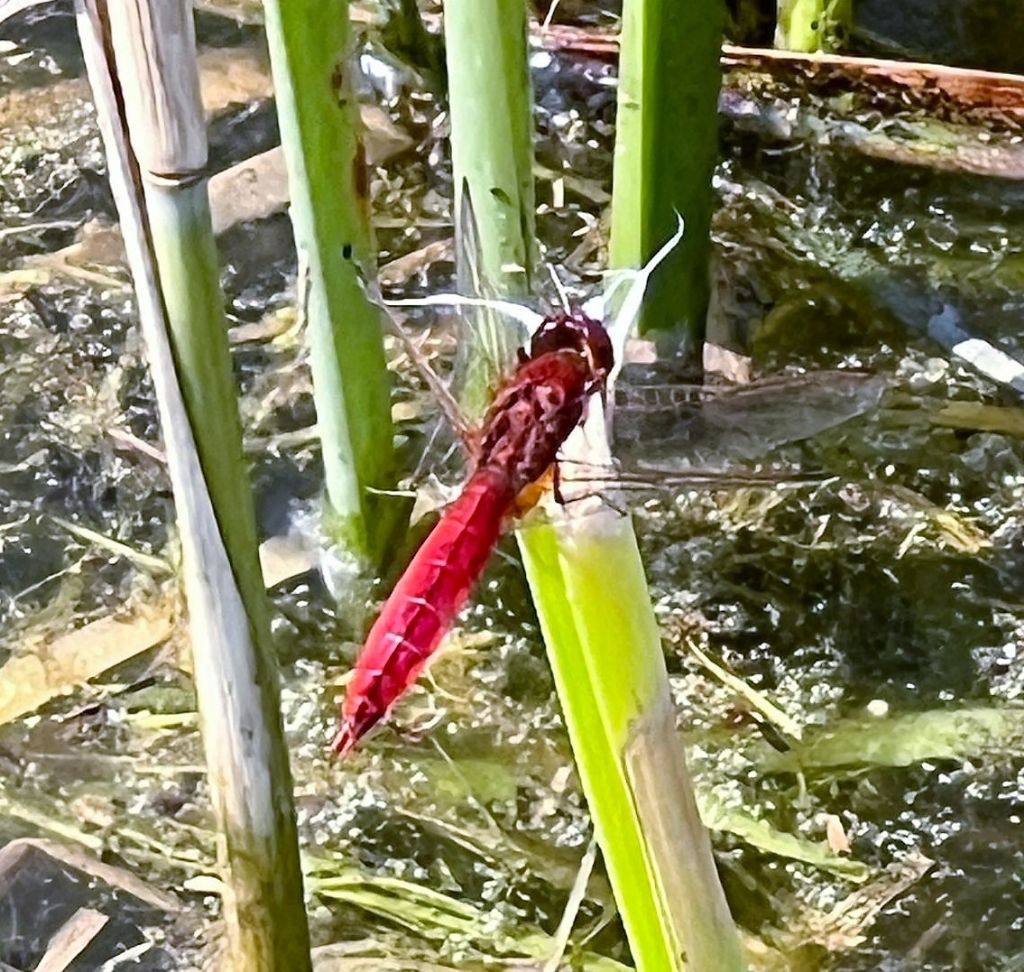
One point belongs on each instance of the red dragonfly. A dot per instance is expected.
(569, 360)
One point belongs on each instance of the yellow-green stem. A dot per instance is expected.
(605, 651)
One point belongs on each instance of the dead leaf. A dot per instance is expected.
(74, 937)
(404, 268)
(283, 558)
(835, 834)
(21, 852)
(31, 678)
(233, 76)
(258, 187)
(254, 189)
(267, 328)
(844, 925)
(382, 138)
(727, 364)
(1008, 420)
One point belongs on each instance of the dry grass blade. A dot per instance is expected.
(1004, 419)
(757, 700)
(74, 937)
(149, 563)
(572, 909)
(34, 677)
(902, 740)
(40, 670)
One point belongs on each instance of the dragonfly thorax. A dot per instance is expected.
(575, 331)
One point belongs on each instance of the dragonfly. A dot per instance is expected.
(530, 418)
(561, 379)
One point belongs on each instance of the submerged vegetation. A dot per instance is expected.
(843, 643)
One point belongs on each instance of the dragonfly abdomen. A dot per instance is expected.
(424, 603)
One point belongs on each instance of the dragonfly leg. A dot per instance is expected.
(445, 399)
(556, 484)
(414, 732)
(621, 510)
(596, 494)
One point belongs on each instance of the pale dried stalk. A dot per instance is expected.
(165, 221)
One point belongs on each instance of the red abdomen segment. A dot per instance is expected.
(424, 603)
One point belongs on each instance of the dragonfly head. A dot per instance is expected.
(574, 331)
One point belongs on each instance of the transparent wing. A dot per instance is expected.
(671, 435)
(488, 337)
(676, 426)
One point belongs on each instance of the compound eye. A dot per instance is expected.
(552, 335)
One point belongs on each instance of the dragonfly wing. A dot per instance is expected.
(445, 399)
(678, 426)
(488, 340)
(674, 435)
(648, 478)
(468, 276)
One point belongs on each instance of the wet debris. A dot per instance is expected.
(828, 931)
(64, 911)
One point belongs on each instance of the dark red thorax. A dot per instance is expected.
(543, 400)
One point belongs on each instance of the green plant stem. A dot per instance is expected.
(492, 160)
(812, 25)
(666, 146)
(605, 651)
(327, 179)
(598, 625)
(186, 256)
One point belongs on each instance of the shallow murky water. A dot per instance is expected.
(880, 605)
